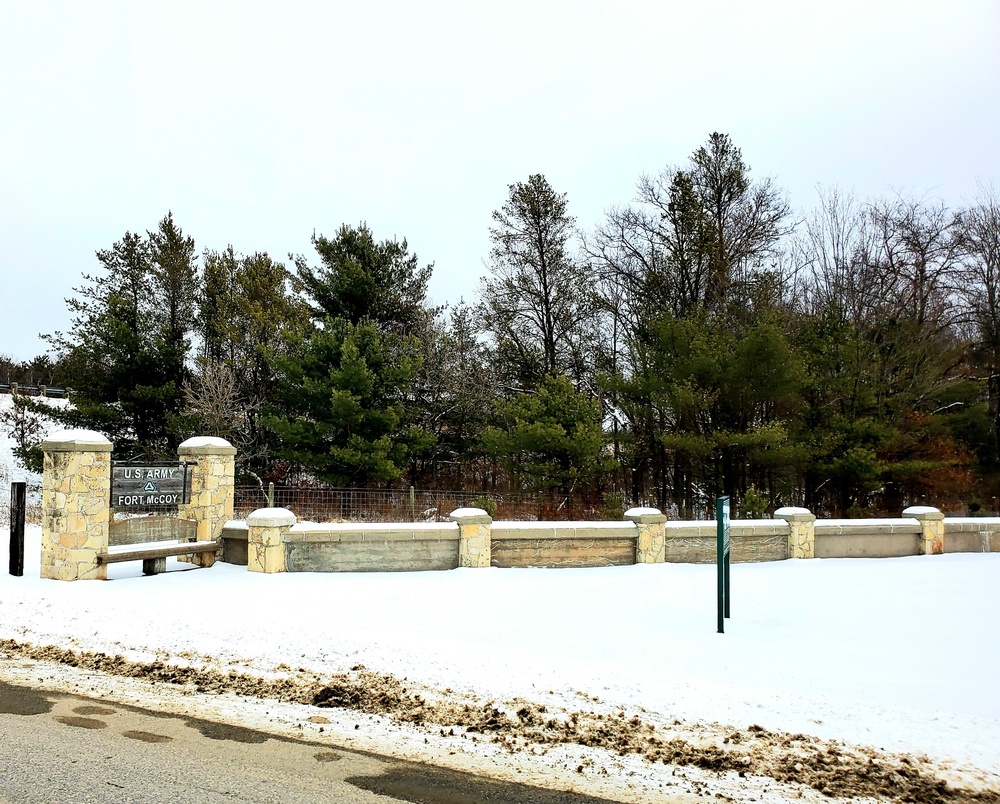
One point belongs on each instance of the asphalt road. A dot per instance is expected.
(56, 747)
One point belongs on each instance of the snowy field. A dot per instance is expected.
(900, 654)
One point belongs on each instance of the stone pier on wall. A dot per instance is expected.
(650, 540)
(76, 489)
(931, 528)
(212, 488)
(475, 540)
(802, 531)
(266, 530)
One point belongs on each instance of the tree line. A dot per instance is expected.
(700, 340)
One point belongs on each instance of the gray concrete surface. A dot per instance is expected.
(65, 748)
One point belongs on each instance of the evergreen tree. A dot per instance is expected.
(246, 317)
(345, 407)
(339, 403)
(552, 438)
(125, 355)
(451, 403)
(879, 346)
(359, 279)
(536, 304)
(747, 217)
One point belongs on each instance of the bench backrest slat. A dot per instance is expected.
(151, 529)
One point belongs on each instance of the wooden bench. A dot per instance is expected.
(143, 530)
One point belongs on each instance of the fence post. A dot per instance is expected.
(413, 505)
(17, 502)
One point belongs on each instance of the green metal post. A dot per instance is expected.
(722, 550)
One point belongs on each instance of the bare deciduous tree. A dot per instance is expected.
(213, 400)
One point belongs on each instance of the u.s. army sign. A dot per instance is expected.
(149, 485)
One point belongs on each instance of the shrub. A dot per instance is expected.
(753, 504)
(614, 504)
(488, 504)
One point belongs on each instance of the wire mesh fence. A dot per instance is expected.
(383, 505)
(418, 505)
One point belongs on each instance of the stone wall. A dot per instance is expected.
(867, 538)
(972, 535)
(751, 540)
(472, 539)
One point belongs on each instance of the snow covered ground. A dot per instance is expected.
(899, 654)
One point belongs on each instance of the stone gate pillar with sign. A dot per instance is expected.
(212, 488)
(76, 484)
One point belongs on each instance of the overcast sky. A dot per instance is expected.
(257, 124)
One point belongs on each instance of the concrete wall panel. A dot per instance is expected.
(371, 555)
(745, 548)
(866, 545)
(555, 552)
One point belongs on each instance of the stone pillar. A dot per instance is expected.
(266, 529)
(801, 531)
(475, 536)
(651, 539)
(76, 514)
(931, 528)
(212, 489)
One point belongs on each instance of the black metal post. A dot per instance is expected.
(17, 506)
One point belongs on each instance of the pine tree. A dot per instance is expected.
(345, 390)
(247, 314)
(536, 303)
(339, 403)
(552, 438)
(125, 354)
(359, 279)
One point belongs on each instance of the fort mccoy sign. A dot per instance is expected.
(149, 486)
